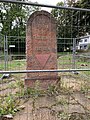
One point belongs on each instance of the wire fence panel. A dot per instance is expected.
(69, 97)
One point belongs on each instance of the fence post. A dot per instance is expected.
(74, 53)
(5, 53)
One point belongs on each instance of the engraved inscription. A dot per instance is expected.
(37, 37)
(46, 49)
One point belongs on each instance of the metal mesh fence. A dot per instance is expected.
(69, 98)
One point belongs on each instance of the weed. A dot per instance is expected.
(8, 105)
(62, 115)
(32, 92)
(54, 89)
(11, 85)
(63, 101)
(19, 84)
(51, 90)
(85, 87)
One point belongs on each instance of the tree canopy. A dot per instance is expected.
(83, 17)
(72, 23)
(13, 18)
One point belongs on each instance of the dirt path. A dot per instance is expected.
(55, 108)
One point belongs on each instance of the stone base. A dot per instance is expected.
(43, 82)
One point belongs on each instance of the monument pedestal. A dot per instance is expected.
(43, 81)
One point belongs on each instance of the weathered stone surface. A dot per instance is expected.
(41, 48)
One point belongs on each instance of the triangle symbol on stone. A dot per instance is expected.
(42, 59)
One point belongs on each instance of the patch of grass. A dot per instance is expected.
(10, 102)
(62, 115)
(34, 93)
(8, 105)
(20, 84)
(85, 87)
(17, 65)
(12, 85)
(64, 53)
(65, 61)
(13, 65)
(2, 65)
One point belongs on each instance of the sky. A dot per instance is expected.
(49, 2)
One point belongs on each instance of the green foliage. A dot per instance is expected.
(82, 18)
(70, 23)
(13, 18)
(63, 115)
(51, 90)
(85, 87)
(64, 22)
(64, 26)
(11, 85)
(34, 92)
(60, 18)
(8, 105)
(20, 84)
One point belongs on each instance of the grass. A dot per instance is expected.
(13, 65)
(64, 62)
(8, 105)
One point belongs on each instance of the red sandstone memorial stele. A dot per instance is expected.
(41, 48)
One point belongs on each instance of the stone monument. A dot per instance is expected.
(41, 48)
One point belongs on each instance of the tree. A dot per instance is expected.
(64, 26)
(13, 18)
(82, 19)
(72, 23)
